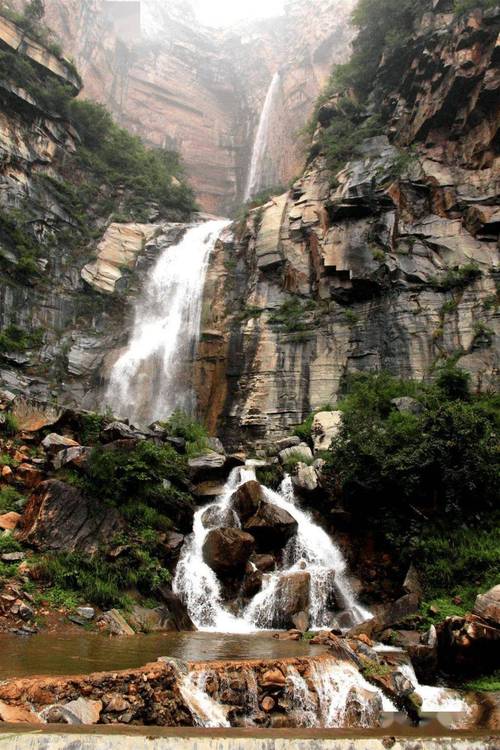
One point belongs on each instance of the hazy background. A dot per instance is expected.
(222, 12)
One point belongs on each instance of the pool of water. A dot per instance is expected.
(55, 654)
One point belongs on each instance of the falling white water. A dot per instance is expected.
(311, 549)
(436, 699)
(149, 381)
(206, 712)
(255, 180)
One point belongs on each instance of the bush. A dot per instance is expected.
(10, 499)
(10, 425)
(181, 425)
(14, 339)
(458, 277)
(290, 315)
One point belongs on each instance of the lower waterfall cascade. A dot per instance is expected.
(148, 381)
(309, 549)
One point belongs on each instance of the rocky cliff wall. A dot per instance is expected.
(201, 91)
(390, 264)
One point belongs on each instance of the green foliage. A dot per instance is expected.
(458, 277)
(121, 160)
(14, 339)
(10, 425)
(9, 544)
(10, 499)
(294, 459)
(304, 430)
(90, 429)
(490, 683)
(147, 473)
(350, 316)
(269, 476)
(290, 315)
(416, 476)
(250, 312)
(461, 7)
(15, 235)
(483, 335)
(195, 434)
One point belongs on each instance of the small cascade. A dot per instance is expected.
(206, 712)
(310, 550)
(151, 378)
(257, 174)
(319, 693)
(437, 699)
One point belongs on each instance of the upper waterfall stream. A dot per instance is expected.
(256, 174)
(310, 549)
(149, 380)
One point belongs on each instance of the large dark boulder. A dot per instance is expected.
(226, 551)
(292, 597)
(58, 517)
(178, 616)
(271, 527)
(246, 500)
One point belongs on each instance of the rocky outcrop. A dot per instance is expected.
(390, 264)
(227, 550)
(60, 518)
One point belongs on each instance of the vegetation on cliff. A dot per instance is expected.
(424, 475)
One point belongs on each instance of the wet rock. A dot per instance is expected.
(214, 518)
(265, 563)
(326, 426)
(305, 478)
(292, 597)
(268, 704)
(9, 521)
(53, 443)
(271, 527)
(487, 605)
(209, 490)
(227, 551)
(88, 613)
(179, 615)
(116, 623)
(172, 544)
(147, 620)
(252, 584)
(26, 612)
(119, 431)
(59, 517)
(246, 500)
(362, 707)
(301, 621)
(300, 452)
(273, 678)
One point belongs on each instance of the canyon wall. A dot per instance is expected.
(391, 264)
(201, 91)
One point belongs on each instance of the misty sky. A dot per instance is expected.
(222, 12)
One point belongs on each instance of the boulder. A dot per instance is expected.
(77, 456)
(29, 475)
(116, 623)
(119, 431)
(215, 445)
(53, 443)
(172, 544)
(10, 521)
(226, 551)
(292, 596)
(487, 605)
(214, 518)
(283, 444)
(58, 517)
(305, 479)
(12, 557)
(411, 584)
(246, 499)
(208, 466)
(301, 621)
(273, 678)
(252, 583)
(265, 563)
(88, 613)
(325, 427)
(300, 452)
(408, 405)
(467, 645)
(179, 616)
(271, 527)
(148, 620)
(209, 490)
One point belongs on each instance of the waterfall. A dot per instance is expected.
(256, 175)
(151, 378)
(206, 712)
(310, 549)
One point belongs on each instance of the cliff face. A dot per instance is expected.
(390, 264)
(201, 91)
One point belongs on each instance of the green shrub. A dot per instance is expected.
(292, 315)
(90, 429)
(181, 425)
(490, 683)
(10, 425)
(14, 339)
(458, 277)
(10, 498)
(9, 544)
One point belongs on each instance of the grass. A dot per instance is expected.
(9, 499)
(290, 315)
(181, 425)
(458, 277)
(10, 425)
(488, 683)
